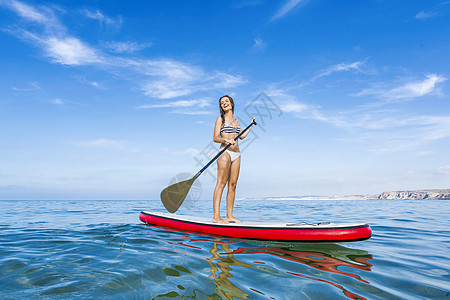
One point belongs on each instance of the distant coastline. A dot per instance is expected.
(416, 195)
(434, 194)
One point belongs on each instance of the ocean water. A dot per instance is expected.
(100, 250)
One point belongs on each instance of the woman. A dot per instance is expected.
(228, 164)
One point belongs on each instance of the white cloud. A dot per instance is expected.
(40, 15)
(183, 107)
(83, 80)
(384, 131)
(259, 44)
(434, 127)
(158, 78)
(409, 90)
(125, 47)
(32, 86)
(70, 51)
(379, 130)
(416, 89)
(102, 18)
(425, 15)
(27, 12)
(170, 68)
(202, 103)
(302, 110)
(58, 101)
(53, 38)
(293, 106)
(286, 8)
(224, 80)
(288, 103)
(166, 88)
(312, 112)
(174, 79)
(440, 9)
(356, 67)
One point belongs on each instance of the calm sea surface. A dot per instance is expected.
(100, 250)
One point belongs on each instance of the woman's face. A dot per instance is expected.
(225, 104)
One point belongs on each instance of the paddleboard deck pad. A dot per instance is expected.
(289, 232)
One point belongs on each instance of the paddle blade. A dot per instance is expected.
(173, 196)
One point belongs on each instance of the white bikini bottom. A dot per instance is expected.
(233, 155)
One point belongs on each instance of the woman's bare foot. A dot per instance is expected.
(219, 220)
(233, 220)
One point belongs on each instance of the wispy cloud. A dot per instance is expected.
(305, 111)
(70, 51)
(125, 47)
(287, 7)
(438, 10)
(289, 104)
(416, 89)
(58, 101)
(372, 126)
(425, 15)
(32, 86)
(259, 44)
(102, 18)
(26, 11)
(379, 131)
(52, 38)
(405, 133)
(356, 67)
(172, 79)
(183, 107)
(166, 78)
(408, 90)
(159, 78)
(178, 104)
(83, 80)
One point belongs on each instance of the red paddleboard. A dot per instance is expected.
(292, 232)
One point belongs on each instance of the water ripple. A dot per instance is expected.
(86, 258)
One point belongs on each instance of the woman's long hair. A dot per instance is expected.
(222, 113)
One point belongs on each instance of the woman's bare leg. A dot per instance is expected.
(231, 194)
(223, 172)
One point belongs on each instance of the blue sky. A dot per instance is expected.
(111, 99)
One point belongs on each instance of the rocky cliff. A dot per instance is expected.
(394, 195)
(419, 195)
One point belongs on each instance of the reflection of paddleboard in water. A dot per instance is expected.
(301, 232)
(326, 259)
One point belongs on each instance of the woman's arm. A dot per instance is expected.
(245, 133)
(217, 137)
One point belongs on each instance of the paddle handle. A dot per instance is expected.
(223, 150)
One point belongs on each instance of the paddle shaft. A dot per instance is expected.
(223, 150)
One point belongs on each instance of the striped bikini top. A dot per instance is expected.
(230, 129)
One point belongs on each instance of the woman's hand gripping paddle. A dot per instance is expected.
(173, 196)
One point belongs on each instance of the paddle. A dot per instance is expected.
(173, 196)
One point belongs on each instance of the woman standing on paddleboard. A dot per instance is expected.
(228, 164)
